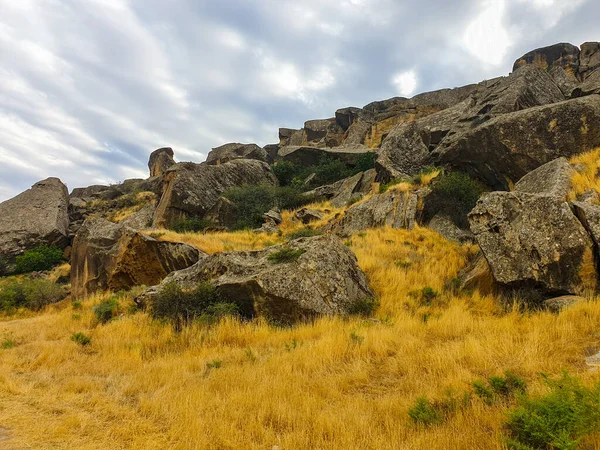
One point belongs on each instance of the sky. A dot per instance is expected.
(89, 88)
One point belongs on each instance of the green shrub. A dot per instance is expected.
(32, 294)
(557, 420)
(285, 172)
(106, 310)
(500, 387)
(304, 232)
(39, 258)
(81, 339)
(285, 254)
(252, 201)
(454, 195)
(192, 225)
(425, 296)
(4, 266)
(423, 412)
(215, 364)
(364, 307)
(365, 162)
(181, 307)
(8, 344)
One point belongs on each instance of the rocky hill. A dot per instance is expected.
(501, 175)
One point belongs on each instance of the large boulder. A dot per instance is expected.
(34, 217)
(191, 190)
(552, 178)
(393, 208)
(558, 55)
(533, 242)
(340, 192)
(113, 256)
(140, 219)
(589, 60)
(322, 279)
(504, 149)
(160, 160)
(229, 152)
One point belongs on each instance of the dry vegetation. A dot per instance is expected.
(331, 384)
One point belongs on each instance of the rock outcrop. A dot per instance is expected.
(191, 190)
(229, 152)
(160, 161)
(112, 256)
(323, 278)
(34, 217)
(311, 156)
(394, 208)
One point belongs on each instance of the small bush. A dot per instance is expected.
(423, 412)
(364, 307)
(181, 307)
(454, 195)
(500, 388)
(252, 201)
(192, 225)
(425, 296)
(4, 266)
(365, 162)
(106, 310)
(356, 338)
(285, 172)
(37, 259)
(285, 255)
(8, 344)
(215, 364)
(304, 232)
(32, 294)
(81, 339)
(557, 420)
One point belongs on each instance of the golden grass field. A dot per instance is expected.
(332, 384)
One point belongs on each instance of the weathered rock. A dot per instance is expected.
(191, 190)
(160, 160)
(271, 150)
(558, 304)
(112, 256)
(506, 148)
(345, 189)
(446, 227)
(140, 219)
(307, 215)
(552, 178)
(367, 181)
(589, 216)
(589, 59)
(590, 86)
(272, 221)
(229, 152)
(590, 196)
(223, 214)
(34, 217)
(357, 133)
(394, 208)
(324, 280)
(97, 192)
(558, 55)
(533, 241)
(288, 136)
(346, 116)
(477, 275)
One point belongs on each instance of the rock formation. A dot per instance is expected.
(108, 256)
(229, 152)
(323, 278)
(191, 190)
(35, 217)
(160, 161)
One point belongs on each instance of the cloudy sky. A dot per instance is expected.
(88, 88)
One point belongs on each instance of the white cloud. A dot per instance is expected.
(486, 37)
(405, 83)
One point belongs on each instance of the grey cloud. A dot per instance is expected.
(88, 88)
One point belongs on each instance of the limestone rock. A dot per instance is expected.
(191, 190)
(140, 219)
(324, 280)
(558, 55)
(113, 256)
(289, 136)
(533, 241)
(506, 148)
(393, 208)
(558, 304)
(552, 178)
(223, 214)
(229, 152)
(307, 215)
(346, 116)
(446, 227)
(34, 217)
(589, 60)
(160, 161)
(311, 156)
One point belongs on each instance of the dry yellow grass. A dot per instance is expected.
(332, 384)
(585, 178)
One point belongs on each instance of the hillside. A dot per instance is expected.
(406, 275)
